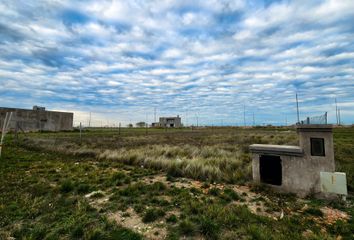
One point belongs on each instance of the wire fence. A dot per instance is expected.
(321, 119)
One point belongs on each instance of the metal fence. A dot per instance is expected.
(322, 119)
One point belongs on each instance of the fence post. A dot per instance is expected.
(326, 118)
(5, 126)
(16, 133)
(80, 134)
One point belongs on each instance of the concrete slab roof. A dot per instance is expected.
(276, 149)
(30, 110)
(314, 128)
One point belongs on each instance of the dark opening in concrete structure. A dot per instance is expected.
(270, 169)
(317, 147)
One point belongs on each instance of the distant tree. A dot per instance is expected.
(140, 124)
(130, 125)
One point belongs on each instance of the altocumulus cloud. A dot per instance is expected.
(205, 59)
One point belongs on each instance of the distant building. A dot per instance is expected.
(170, 122)
(155, 124)
(38, 119)
(38, 108)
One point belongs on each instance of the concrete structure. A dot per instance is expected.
(170, 122)
(38, 119)
(296, 169)
(155, 124)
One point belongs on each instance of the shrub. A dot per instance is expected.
(214, 191)
(230, 194)
(153, 214)
(97, 234)
(208, 227)
(66, 186)
(39, 189)
(174, 171)
(172, 219)
(314, 211)
(119, 178)
(83, 188)
(158, 187)
(124, 234)
(186, 227)
(77, 232)
(38, 232)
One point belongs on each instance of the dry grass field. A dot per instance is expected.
(175, 184)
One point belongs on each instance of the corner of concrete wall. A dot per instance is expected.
(255, 168)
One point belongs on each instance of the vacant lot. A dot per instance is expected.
(157, 184)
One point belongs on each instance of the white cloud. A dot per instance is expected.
(208, 57)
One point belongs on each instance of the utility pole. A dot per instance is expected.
(89, 120)
(337, 115)
(146, 124)
(80, 133)
(196, 116)
(155, 114)
(297, 110)
(253, 120)
(187, 118)
(244, 115)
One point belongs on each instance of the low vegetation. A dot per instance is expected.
(159, 185)
(212, 155)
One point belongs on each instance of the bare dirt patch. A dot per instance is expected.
(256, 207)
(331, 215)
(97, 198)
(130, 219)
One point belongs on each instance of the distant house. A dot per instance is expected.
(38, 119)
(169, 122)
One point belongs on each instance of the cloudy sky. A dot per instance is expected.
(206, 59)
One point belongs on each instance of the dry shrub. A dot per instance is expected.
(205, 163)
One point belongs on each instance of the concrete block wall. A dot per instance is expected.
(38, 120)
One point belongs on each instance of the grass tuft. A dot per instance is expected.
(153, 214)
(67, 186)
